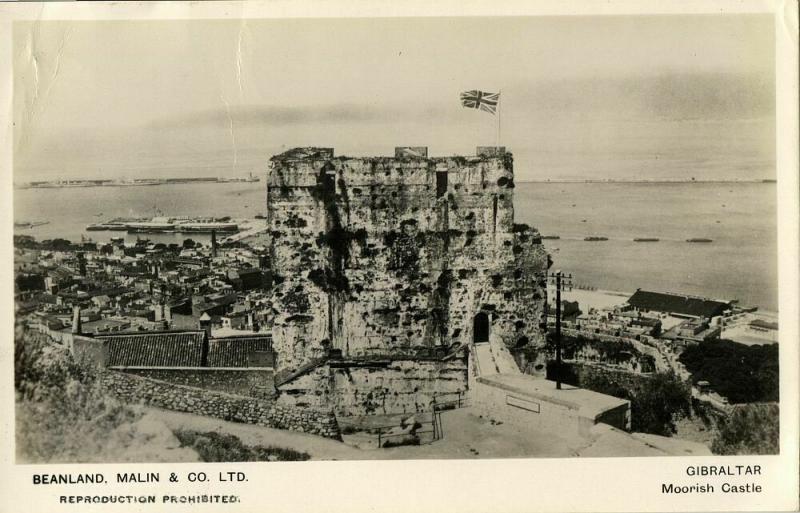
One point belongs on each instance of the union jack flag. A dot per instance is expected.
(484, 101)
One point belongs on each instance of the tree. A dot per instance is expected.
(743, 374)
(655, 400)
(656, 403)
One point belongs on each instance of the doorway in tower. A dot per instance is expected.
(480, 328)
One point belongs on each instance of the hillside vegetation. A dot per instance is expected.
(743, 374)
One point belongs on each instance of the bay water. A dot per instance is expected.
(740, 218)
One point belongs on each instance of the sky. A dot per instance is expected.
(599, 97)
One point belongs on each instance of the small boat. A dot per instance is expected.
(595, 239)
(645, 239)
(699, 239)
(544, 237)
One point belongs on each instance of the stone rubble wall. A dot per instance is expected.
(582, 374)
(236, 408)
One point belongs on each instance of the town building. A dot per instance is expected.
(677, 305)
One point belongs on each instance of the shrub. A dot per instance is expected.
(655, 405)
(63, 412)
(749, 429)
(219, 447)
(655, 400)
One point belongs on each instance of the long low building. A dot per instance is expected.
(241, 365)
(175, 349)
(677, 304)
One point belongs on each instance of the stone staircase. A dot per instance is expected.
(493, 357)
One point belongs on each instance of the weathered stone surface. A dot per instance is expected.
(378, 387)
(393, 257)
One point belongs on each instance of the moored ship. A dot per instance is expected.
(168, 225)
(30, 224)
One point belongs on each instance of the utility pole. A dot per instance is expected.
(558, 330)
(561, 281)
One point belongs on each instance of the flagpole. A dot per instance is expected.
(499, 109)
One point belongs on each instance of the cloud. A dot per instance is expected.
(668, 95)
(273, 115)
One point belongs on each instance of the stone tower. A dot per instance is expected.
(405, 257)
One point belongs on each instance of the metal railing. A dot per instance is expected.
(417, 435)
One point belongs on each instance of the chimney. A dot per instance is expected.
(76, 320)
(82, 263)
(250, 323)
(213, 243)
(205, 324)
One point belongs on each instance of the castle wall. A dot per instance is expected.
(378, 387)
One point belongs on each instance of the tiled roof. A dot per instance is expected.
(237, 351)
(156, 349)
(673, 303)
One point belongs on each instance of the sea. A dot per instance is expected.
(740, 218)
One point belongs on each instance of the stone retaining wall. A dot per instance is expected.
(581, 374)
(221, 405)
(644, 345)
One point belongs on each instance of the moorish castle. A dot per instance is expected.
(388, 269)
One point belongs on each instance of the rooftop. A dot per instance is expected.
(679, 304)
(238, 351)
(155, 349)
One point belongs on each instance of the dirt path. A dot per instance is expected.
(466, 436)
(318, 447)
